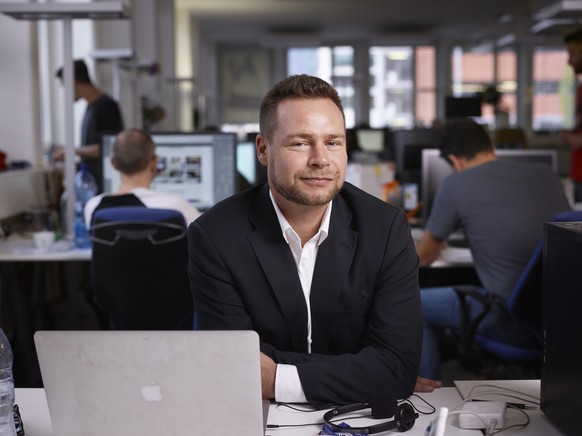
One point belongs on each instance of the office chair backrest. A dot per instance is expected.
(139, 267)
(525, 300)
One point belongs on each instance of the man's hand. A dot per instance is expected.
(58, 153)
(426, 385)
(268, 371)
(429, 248)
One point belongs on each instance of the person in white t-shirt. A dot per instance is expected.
(134, 156)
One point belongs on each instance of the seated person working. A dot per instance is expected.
(134, 156)
(500, 206)
(325, 273)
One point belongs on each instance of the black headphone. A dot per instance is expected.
(384, 406)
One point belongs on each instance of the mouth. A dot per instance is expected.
(317, 180)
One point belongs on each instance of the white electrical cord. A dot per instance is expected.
(510, 393)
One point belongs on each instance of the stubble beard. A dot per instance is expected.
(296, 194)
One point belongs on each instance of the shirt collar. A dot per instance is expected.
(286, 227)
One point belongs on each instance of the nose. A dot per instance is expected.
(319, 155)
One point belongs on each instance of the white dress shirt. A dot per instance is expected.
(287, 384)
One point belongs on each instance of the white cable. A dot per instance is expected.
(524, 397)
(535, 399)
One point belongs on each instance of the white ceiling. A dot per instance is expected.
(466, 19)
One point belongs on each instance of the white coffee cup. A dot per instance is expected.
(43, 239)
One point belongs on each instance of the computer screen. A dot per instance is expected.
(198, 166)
(408, 146)
(463, 106)
(435, 169)
(370, 140)
(246, 161)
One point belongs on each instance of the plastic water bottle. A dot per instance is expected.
(7, 427)
(85, 188)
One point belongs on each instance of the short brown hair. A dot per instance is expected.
(298, 86)
(80, 72)
(573, 37)
(463, 137)
(133, 150)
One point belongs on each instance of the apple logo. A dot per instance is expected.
(152, 392)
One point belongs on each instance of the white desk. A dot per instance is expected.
(36, 419)
(21, 249)
(539, 424)
(450, 256)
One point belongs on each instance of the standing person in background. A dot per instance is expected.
(101, 116)
(573, 138)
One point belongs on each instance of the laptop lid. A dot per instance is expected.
(138, 383)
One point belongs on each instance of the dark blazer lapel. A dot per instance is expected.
(278, 264)
(334, 258)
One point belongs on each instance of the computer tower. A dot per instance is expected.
(561, 378)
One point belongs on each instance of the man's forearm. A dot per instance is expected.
(92, 151)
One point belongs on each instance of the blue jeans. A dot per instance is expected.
(441, 309)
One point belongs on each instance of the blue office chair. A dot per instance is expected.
(524, 303)
(139, 268)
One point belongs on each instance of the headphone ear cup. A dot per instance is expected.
(405, 417)
(384, 406)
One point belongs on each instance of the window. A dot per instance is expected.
(425, 77)
(335, 65)
(553, 95)
(391, 86)
(476, 70)
(402, 86)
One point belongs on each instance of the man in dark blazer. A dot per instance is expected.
(325, 273)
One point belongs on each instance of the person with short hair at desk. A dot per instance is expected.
(325, 273)
(500, 207)
(134, 156)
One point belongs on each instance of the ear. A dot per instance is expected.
(457, 162)
(261, 147)
(154, 164)
(114, 164)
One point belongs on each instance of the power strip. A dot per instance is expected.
(486, 410)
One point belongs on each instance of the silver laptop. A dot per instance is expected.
(137, 383)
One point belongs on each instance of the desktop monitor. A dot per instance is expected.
(435, 169)
(198, 166)
(408, 147)
(370, 140)
(463, 106)
(248, 164)
(561, 377)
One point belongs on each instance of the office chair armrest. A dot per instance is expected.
(469, 326)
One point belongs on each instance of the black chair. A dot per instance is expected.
(139, 268)
(492, 357)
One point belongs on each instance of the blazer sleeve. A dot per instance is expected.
(388, 358)
(217, 303)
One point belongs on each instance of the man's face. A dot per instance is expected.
(575, 56)
(76, 91)
(307, 155)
